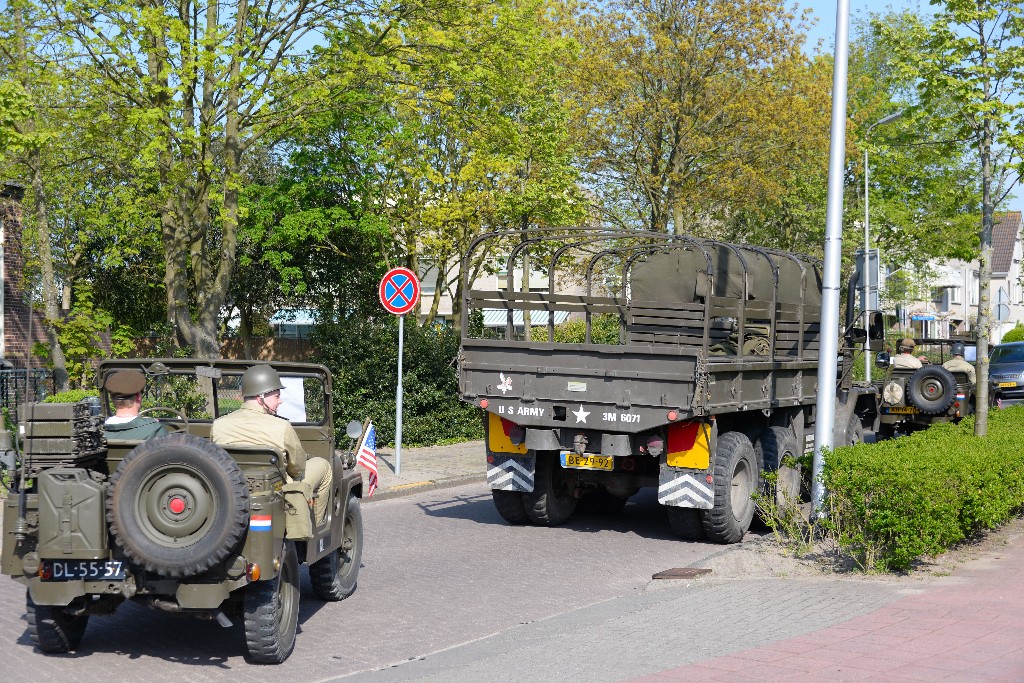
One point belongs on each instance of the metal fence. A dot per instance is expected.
(17, 385)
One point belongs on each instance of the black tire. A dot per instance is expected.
(687, 523)
(334, 576)
(53, 630)
(854, 431)
(186, 471)
(510, 506)
(736, 479)
(777, 446)
(602, 502)
(931, 389)
(272, 612)
(551, 502)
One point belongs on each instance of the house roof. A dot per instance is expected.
(1005, 232)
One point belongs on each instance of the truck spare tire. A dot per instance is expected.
(931, 389)
(178, 506)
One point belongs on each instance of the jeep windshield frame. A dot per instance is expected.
(204, 390)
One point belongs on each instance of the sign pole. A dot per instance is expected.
(399, 293)
(398, 398)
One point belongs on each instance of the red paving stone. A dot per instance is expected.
(970, 629)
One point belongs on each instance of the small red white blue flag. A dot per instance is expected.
(367, 455)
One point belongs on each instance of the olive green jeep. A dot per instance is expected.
(911, 399)
(178, 522)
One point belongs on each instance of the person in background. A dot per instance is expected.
(905, 358)
(958, 364)
(125, 388)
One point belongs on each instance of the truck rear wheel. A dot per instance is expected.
(52, 629)
(736, 477)
(510, 506)
(551, 502)
(777, 446)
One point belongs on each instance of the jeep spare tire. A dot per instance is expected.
(931, 389)
(178, 505)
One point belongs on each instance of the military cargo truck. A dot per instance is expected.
(705, 381)
(177, 522)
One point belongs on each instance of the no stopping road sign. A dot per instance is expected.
(399, 291)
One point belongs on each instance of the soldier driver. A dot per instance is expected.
(257, 423)
(958, 364)
(124, 388)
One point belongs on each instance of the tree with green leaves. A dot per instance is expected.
(695, 109)
(209, 82)
(965, 64)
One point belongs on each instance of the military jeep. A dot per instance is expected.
(911, 399)
(178, 522)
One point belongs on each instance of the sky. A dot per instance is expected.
(825, 30)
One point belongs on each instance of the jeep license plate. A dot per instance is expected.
(89, 570)
(1007, 385)
(901, 410)
(587, 462)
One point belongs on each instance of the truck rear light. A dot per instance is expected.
(673, 416)
(484, 403)
(655, 445)
(252, 571)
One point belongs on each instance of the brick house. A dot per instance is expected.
(14, 342)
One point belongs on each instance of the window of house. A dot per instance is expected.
(954, 295)
(428, 275)
(973, 293)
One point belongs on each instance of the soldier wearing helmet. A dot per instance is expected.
(257, 423)
(905, 358)
(958, 364)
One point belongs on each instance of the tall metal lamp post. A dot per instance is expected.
(867, 250)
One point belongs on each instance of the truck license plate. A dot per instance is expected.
(89, 570)
(587, 462)
(1007, 385)
(901, 410)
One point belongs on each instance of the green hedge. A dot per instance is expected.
(363, 358)
(72, 396)
(893, 502)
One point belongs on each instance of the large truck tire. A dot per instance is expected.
(776, 447)
(53, 630)
(510, 506)
(179, 505)
(854, 431)
(736, 475)
(334, 576)
(551, 502)
(931, 389)
(272, 612)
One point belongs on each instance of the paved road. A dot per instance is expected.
(440, 569)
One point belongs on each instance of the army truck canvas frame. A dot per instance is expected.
(177, 522)
(711, 383)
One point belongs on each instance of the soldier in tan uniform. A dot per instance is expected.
(256, 423)
(958, 364)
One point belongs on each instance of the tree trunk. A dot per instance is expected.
(984, 281)
(51, 301)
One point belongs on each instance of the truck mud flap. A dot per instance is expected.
(511, 473)
(685, 489)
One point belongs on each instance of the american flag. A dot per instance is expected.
(367, 455)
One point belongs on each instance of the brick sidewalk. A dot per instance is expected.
(966, 627)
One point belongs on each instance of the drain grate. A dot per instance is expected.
(681, 573)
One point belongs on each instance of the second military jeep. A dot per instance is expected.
(178, 522)
(911, 399)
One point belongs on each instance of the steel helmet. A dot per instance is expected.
(957, 349)
(259, 380)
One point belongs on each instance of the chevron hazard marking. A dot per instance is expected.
(686, 491)
(505, 473)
